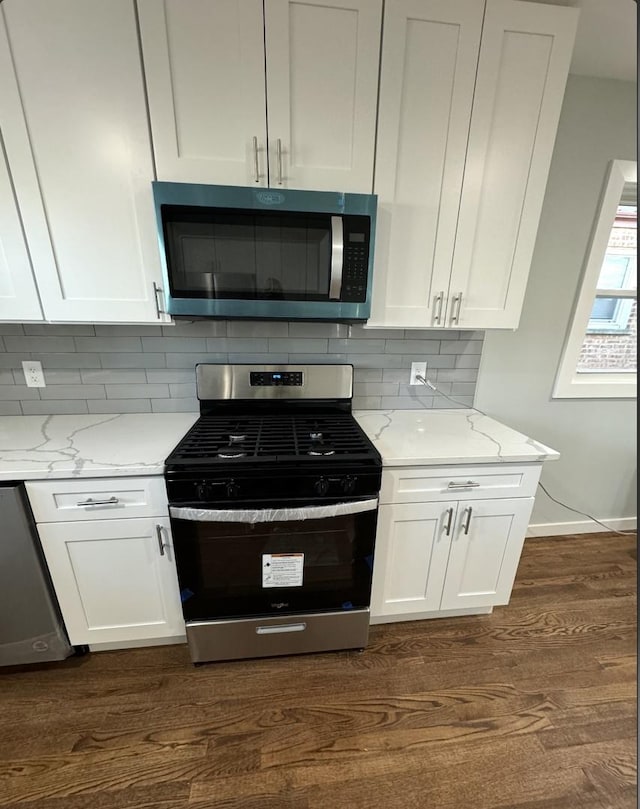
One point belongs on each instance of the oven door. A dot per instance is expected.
(259, 561)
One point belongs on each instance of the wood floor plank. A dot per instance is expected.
(531, 707)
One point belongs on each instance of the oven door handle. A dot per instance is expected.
(337, 258)
(272, 514)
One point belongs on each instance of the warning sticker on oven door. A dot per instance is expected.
(282, 569)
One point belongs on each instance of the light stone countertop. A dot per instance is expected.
(443, 437)
(41, 447)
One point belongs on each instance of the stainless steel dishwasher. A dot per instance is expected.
(31, 627)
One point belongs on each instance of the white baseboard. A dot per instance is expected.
(113, 645)
(552, 529)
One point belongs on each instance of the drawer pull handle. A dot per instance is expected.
(112, 501)
(447, 528)
(468, 521)
(469, 484)
(275, 630)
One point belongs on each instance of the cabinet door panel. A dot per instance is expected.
(78, 145)
(111, 581)
(204, 68)
(18, 295)
(522, 71)
(483, 560)
(412, 546)
(429, 57)
(322, 83)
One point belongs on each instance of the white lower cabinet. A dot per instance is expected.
(445, 555)
(115, 579)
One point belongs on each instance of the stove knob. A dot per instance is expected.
(348, 484)
(203, 490)
(233, 490)
(321, 486)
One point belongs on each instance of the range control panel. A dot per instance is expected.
(276, 378)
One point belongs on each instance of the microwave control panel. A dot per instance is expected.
(355, 265)
(275, 378)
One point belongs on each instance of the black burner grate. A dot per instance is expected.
(270, 437)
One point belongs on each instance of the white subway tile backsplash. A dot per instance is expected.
(10, 409)
(101, 344)
(112, 376)
(42, 343)
(260, 328)
(119, 406)
(145, 391)
(139, 369)
(55, 408)
(72, 392)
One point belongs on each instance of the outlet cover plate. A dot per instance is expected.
(33, 375)
(418, 369)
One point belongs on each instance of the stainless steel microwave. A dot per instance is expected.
(233, 252)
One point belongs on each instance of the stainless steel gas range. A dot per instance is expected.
(273, 498)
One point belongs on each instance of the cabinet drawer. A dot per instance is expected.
(98, 499)
(424, 484)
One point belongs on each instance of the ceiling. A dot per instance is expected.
(606, 42)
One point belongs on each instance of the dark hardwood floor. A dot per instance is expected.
(532, 707)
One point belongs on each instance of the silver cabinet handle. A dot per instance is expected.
(439, 300)
(256, 167)
(469, 484)
(337, 258)
(279, 159)
(469, 511)
(275, 630)
(157, 291)
(112, 501)
(456, 305)
(161, 544)
(447, 528)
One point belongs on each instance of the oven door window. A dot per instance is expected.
(242, 569)
(247, 255)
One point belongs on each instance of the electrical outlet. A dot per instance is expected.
(33, 375)
(418, 369)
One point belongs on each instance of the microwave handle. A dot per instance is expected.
(337, 258)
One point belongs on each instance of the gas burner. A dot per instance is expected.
(321, 450)
(237, 438)
(316, 436)
(231, 453)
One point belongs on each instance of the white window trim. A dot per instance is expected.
(569, 383)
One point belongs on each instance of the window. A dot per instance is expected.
(600, 353)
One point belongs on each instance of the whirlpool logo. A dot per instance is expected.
(270, 197)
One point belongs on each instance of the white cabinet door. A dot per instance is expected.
(485, 550)
(412, 546)
(111, 580)
(322, 82)
(523, 67)
(77, 142)
(429, 58)
(204, 69)
(18, 295)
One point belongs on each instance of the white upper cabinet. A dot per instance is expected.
(524, 62)
(468, 115)
(18, 295)
(75, 130)
(204, 67)
(429, 58)
(210, 98)
(322, 82)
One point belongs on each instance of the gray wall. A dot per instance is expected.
(597, 437)
(141, 369)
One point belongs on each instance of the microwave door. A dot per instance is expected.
(337, 258)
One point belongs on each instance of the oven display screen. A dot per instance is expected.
(275, 378)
